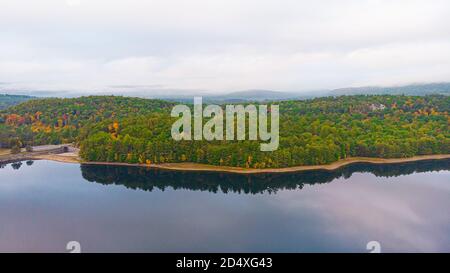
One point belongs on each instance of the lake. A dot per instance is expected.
(45, 204)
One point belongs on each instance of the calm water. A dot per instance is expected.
(44, 204)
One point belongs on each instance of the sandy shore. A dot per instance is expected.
(74, 158)
(333, 166)
(64, 157)
(69, 157)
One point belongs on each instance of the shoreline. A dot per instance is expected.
(197, 167)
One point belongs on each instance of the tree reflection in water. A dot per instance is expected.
(148, 179)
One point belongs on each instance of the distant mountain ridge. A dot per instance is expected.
(11, 100)
(253, 94)
(270, 95)
(412, 89)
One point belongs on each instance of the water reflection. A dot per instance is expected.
(148, 179)
(47, 204)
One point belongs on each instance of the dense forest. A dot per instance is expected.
(315, 131)
(10, 100)
(55, 120)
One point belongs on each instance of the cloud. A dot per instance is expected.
(223, 45)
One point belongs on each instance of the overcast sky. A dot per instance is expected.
(221, 45)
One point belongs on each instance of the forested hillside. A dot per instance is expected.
(55, 120)
(442, 88)
(10, 100)
(317, 131)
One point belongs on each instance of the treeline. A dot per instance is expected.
(316, 131)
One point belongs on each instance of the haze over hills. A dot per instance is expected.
(239, 96)
(257, 95)
(246, 95)
(412, 89)
(270, 95)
